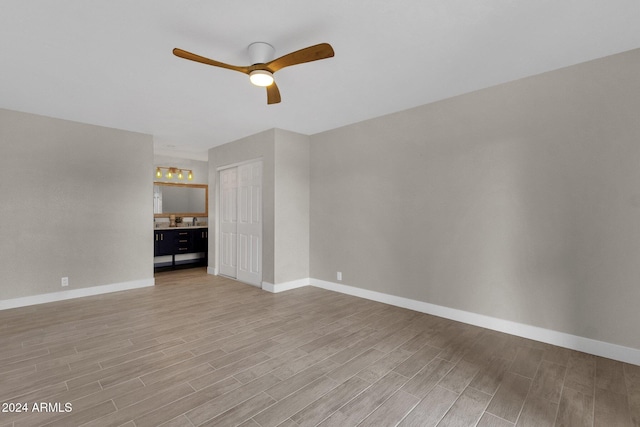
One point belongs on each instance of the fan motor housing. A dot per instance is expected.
(261, 52)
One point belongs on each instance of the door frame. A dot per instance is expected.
(216, 270)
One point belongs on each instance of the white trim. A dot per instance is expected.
(75, 293)
(212, 270)
(286, 286)
(574, 342)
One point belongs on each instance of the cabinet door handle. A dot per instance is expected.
(183, 234)
(182, 241)
(156, 237)
(162, 237)
(182, 249)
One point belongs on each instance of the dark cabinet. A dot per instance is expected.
(163, 243)
(181, 241)
(201, 240)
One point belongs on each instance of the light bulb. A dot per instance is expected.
(190, 176)
(180, 176)
(261, 78)
(169, 175)
(158, 173)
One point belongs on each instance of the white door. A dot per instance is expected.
(228, 222)
(250, 223)
(241, 223)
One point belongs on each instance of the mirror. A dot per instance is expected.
(180, 199)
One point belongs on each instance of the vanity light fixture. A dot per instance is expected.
(173, 171)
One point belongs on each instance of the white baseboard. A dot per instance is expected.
(286, 286)
(74, 293)
(214, 271)
(561, 339)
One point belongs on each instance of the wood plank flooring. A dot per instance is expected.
(200, 350)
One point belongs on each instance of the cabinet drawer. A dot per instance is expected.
(182, 247)
(182, 236)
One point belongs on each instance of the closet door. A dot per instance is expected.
(250, 223)
(228, 222)
(240, 223)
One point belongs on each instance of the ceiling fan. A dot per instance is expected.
(261, 72)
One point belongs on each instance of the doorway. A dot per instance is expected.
(240, 222)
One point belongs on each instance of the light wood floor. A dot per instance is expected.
(202, 350)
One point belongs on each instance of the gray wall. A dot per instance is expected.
(76, 202)
(520, 202)
(291, 206)
(285, 199)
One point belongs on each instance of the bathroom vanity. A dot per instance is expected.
(187, 244)
(181, 240)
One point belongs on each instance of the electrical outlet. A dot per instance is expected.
(339, 275)
(65, 281)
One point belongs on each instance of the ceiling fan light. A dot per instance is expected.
(261, 78)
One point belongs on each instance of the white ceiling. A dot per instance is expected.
(109, 62)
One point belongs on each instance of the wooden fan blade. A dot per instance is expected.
(197, 58)
(308, 54)
(273, 94)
